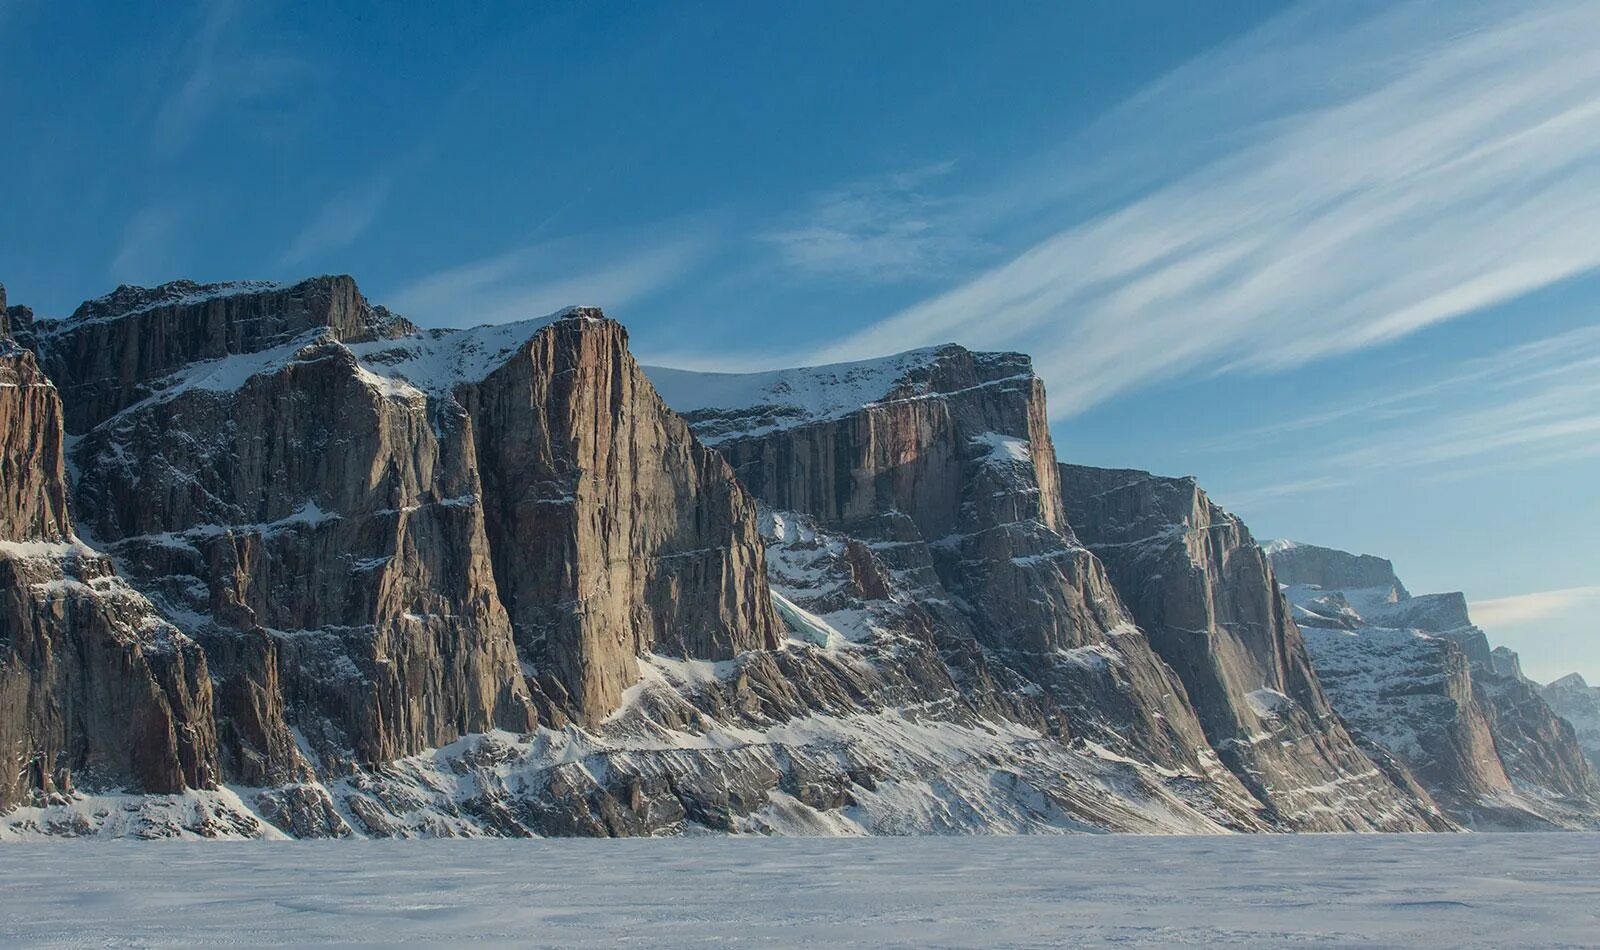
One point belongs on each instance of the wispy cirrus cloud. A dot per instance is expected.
(145, 250)
(1527, 406)
(1523, 609)
(540, 278)
(224, 65)
(341, 220)
(1261, 495)
(1357, 181)
(884, 228)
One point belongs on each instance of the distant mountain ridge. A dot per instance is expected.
(1579, 703)
(274, 561)
(1415, 676)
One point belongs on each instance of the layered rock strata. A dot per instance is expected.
(315, 517)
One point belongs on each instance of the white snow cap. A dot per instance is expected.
(758, 403)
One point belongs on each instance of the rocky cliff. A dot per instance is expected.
(940, 462)
(486, 582)
(1578, 703)
(1206, 596)
(96, 688)
(275, 561)
(315, 519)
(1416, 677)
(1332, 569)
(615, 532)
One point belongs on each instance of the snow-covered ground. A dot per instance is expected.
(1441, 890)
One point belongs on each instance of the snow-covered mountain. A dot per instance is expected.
(1414, 676)
(274, 561)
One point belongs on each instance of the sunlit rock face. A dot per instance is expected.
(615, 533)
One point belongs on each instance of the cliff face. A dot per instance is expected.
(615, 533)
(320, 573)
(95, 686)
(485, 582)
(1578, 703)
(118, 349)
(1414, 675)
(33, 484)
(1206, 596)
(1332, 569)
(314, 519)
(940, 464)
(1413, 695)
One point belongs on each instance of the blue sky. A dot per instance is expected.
(1335, 259)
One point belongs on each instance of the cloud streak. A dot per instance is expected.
(541, 278)
(1361, 180)
(1540, 606)
(885, 229)
(343, 219)
(145, 249)
(1530, 405)
(225, 68)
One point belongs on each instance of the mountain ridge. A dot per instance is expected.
(388, 581)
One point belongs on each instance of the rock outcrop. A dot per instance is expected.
(303, 520)
(1204, 593)
(118, 349)
(940, 463)
(1578, 703)
(1415, 676)
(1333, 569)
(615, 533)
(95, 687)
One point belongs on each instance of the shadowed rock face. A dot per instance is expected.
(349, 539)
(1541, 750)
(1207, 598)
(1414, 675)
(1576, 701)
(1504, 661)
(94, 686)
(1414, 696)
(1332, 569)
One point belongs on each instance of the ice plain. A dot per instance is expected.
(1321, 890)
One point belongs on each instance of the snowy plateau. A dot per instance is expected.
(1121, 890)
